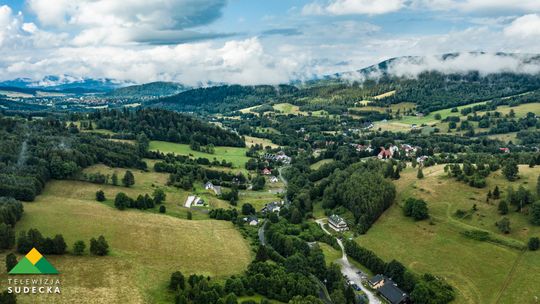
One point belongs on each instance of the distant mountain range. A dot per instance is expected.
(64, 84)
(153, 89)
(408, 66)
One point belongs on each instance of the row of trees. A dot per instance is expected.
(122, 201)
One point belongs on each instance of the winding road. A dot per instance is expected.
(350, 270)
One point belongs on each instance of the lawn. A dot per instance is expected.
(481, 272)
(145, 247)
(230, 154)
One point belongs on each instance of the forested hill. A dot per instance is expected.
(153, 89)
(32, 152)
(164, 125)
(222, 99)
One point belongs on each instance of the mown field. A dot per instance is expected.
(230, 154)
(146, 247)
(481, 272)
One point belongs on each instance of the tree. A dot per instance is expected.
(258, 183)
(7, 236)
(159, 196)
(416, 208)
(534, 243)
(100, 196)
(420, 174)
(503, 207)
(59, 245)
(143, 143)
(79, 247)
(496, 193)
(8, 298)
(122, 201)
(538, 186)
(189, 215)
(128, 180)
(177, 281)
(535, 214)
(504, 225)
(162, 209)
(511, 170)
(99, 247)
(114, 179)
(248, 209)
(11, 261)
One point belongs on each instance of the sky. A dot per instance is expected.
(253, 41)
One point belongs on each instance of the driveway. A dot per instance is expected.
(350, 270)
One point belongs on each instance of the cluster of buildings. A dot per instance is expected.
(280, 156)
(272, 207)
(387, 289)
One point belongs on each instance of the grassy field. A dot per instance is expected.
(330, 254)
(147, 182)
(146, 247)
(231, 154)
(287, 108)
(318, 164)
(481, 272)
(252, 141)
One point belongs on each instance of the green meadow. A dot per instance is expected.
(230, 154)
(481, 272)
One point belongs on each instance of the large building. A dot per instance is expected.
(337, 223)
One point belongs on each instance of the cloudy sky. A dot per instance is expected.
(249, 41)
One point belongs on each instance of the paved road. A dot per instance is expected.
(351, 271)
(261, 233)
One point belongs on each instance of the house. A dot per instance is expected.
(272, 207)
(391, 293)
(337, 223)
(377, 281)
(362, 148)
(266, 171)
(421, 159)
(387, 289)
(193, 200)
(198, 202)
(409, 150)
(210, 186)
(505, 150)
(385, 153)
(251, 220)
(273, 179)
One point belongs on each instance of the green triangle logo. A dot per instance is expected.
(33, 263)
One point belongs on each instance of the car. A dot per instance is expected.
(356, 287)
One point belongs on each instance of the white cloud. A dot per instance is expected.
(480, 5)
(94, 20)
(353, 7)
(527, 26)
(236, 61)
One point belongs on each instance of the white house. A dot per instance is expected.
(252, 220)
(337, 223)
(273, 179)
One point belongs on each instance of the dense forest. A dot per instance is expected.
(222, 99)
(32, 152)
(165, 125)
